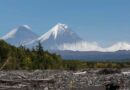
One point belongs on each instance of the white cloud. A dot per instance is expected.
(119, 46)
(93, 46)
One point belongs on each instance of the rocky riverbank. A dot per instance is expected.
(89, 79)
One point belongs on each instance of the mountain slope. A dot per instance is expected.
(60, 34)
(20, 35)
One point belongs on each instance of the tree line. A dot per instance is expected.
(21, 58)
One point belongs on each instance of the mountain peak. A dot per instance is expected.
(19, 29)
(58, 35)
(58, 29)
(60, 26)
(19, 35)
(22, 28)
(25, 26)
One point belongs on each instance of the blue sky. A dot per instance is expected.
(103, 21)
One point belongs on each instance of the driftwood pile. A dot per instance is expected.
(62, 80)
(23, 80)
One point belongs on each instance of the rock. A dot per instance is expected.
(108, 71)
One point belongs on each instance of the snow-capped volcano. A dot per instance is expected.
(20, 35)
(58, 35)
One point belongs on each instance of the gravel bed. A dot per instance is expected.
(88, 79)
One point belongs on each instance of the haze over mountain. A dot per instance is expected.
(19, 35)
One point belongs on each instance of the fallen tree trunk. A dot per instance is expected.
(14, 82)
(5, 63)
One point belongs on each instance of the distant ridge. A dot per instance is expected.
(121, 55)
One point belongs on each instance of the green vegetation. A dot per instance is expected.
(22, 58)
(12, 58)
(78, 64)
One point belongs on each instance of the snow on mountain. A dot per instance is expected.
(60, 34)
(19, 35)
(59, 37)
